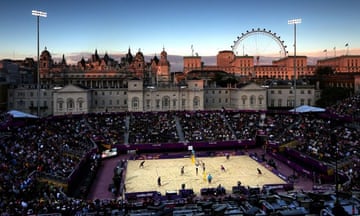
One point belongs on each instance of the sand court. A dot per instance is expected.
(237, 168)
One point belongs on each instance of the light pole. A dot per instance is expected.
(294, 22)
(38, 14)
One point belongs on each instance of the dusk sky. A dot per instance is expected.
(211, 26)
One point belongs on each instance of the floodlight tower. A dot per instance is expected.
(38, 14)
(294, 22)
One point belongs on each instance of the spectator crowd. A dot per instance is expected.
(52, 148)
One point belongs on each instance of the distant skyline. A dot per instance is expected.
(209, 26)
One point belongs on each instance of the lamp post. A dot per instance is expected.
(38, 14)
(294, 22)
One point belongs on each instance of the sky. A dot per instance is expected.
(181, 27)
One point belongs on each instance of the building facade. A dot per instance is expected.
(282, 68)
(102, 84)
(342, 64)
(283, 95)
(73, 99)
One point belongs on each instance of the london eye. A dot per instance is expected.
(259, 43)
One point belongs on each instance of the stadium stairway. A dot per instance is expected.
(179, 129)
(228, 124)
(126, 134)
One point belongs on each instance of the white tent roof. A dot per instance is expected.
(19, 114)
(307, 108)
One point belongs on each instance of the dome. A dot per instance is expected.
(45, 54)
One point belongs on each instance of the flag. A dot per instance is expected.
(346, 44)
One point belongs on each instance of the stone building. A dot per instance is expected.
(282, 68)
(102, 84)
(342, 64)
(282, 94)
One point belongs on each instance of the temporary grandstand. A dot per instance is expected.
(55, 165)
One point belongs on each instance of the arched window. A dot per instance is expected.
(252, 100)
(80, 103)
(166, 103)
(260, 98)
(60, 104)
(70, 104)
(196, 102)
(244, 98)
(135, 103)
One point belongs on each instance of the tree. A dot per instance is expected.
(330, 96)
(223, 80)
(323, 70)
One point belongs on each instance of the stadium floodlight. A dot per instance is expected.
(294, 22)
(38, 14)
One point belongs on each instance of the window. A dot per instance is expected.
(166, 102)
(135, 103)
(196, 102)
(148, 104)
(243, 98)
(272, 102)
(157, 103)
(261, 98)
(252, 100)
(21, 103)
(289, 103)
(302, 101)
(70, 104)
